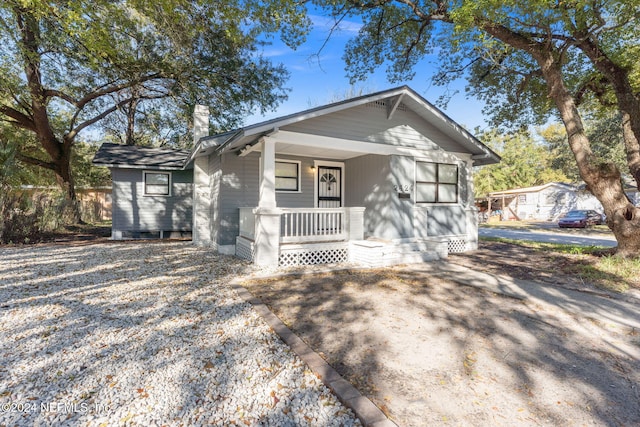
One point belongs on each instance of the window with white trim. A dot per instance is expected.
(436, 182)
(287, 175)
(157, 183)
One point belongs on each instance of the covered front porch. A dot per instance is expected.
(270, 234)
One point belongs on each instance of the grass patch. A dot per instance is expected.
(565, 248)
(593, 264)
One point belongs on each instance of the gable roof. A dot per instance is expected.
(248, 135)
(131, 156)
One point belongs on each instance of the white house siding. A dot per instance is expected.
(215, 181)
(133, 212)
(201, 201)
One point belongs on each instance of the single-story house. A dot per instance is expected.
(547, 202)
(379, 179)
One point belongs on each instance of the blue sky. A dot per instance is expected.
(318, 80)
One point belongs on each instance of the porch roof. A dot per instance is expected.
(249, 135)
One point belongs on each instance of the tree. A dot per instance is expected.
(529, 59)
(67, 65)
(525, 163)
(605, 134)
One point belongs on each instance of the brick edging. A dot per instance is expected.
(368, 413)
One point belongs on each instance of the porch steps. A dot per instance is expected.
(381, 253)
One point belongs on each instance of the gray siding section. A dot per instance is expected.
(446, 220)
(370, 124)
(239, 187)
(133, 211)
(370, 182)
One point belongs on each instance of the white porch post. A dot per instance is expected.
(355, 223)
(267, 231)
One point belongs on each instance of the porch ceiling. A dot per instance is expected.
(316, 152)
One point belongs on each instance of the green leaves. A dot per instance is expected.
(69, 65)
(525, 163)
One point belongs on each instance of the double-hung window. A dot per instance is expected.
(436, 182)
(157, 183)
(287, 175)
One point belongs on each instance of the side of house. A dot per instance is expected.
(152, 195)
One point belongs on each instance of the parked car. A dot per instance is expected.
(580, 219)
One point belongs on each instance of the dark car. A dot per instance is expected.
(580, 219)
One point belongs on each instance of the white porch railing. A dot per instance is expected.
(307, 225)
(313, 225)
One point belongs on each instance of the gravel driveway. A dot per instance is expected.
(143, 334)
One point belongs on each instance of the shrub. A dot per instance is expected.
(25, 216)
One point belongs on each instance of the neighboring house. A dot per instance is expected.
(542, 202)
(547, 202)
(152, 194)
(379, 179)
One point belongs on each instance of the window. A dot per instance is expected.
(436, 183)
(287, 175)
(157, 183)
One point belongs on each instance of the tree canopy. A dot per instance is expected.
(67, 65)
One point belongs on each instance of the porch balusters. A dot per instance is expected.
(313, 225)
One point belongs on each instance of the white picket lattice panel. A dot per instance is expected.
(244, 249)
(313, 257)
(457, 246)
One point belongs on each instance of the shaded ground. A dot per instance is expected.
(526, 263)
(76, 234)
(428, 351)
(591, 272)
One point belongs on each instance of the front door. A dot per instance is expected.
(329, 186)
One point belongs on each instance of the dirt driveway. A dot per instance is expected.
(428, 351)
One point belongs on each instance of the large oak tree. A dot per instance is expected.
(528, 59)
(67, 65)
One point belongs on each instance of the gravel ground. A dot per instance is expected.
(144, 334)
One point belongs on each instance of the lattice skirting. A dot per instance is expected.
(244, 249)
(314, 254)
(456, 246)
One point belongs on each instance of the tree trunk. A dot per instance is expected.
(65, 180)
(59, 152)
(131, 121)
(603, 178)
(628, 103)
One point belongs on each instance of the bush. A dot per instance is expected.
(25, 216)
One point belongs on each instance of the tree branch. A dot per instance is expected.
(74, 132)
(53, 93)
(115, 88)
(36, 162)
(19, 119)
